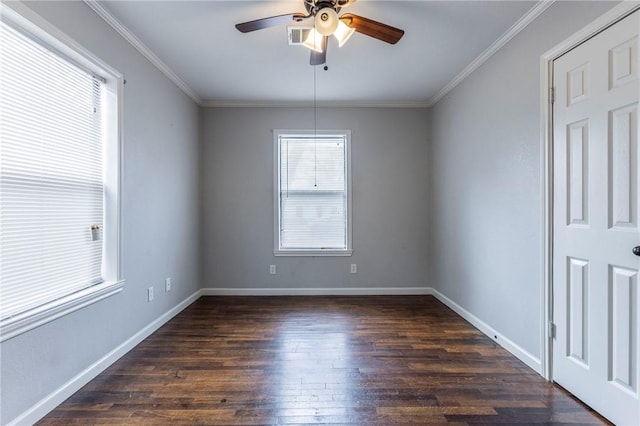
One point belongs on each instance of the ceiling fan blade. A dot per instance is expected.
(319, 58)
(272, 21)
(372, 28)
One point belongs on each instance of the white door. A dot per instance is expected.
(595, 222)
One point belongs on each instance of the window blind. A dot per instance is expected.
(313, 196)
(51, 175)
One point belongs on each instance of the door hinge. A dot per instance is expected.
(552, 95)
(552, 330)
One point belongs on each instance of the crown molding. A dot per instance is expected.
(142, 48)
(514, 30)
(310, 104)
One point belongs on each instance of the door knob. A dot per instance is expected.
(636, 250)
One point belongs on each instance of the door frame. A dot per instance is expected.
(546, 163)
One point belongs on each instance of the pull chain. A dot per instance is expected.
(315, 125)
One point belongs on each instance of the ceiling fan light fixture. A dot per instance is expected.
(326, 21)
(342, 33)
(314, 41)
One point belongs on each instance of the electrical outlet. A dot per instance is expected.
(150, 293)
(354, 268)
(167, 284)
(272, 269)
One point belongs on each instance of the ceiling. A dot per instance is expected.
(196, 43)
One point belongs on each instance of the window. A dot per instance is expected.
(59, 225)
(312, 193)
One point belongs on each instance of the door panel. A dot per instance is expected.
(595, 222)
(578, 182)
(623, 190)
(578, 309)
(623, 367)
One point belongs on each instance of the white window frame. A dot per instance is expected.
(20, 16)
(277, 250)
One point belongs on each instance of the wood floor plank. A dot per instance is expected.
(319, 360)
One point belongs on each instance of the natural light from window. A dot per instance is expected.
(312, 193)
(59, 222)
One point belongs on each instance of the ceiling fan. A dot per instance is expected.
(327, 23)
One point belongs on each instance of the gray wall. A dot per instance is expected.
(390, 199)
(486, 175)
(160, 207)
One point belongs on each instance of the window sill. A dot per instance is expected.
(21, 323)
(313, 253)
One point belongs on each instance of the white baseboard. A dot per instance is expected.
(524, 356)
(55, 398)
(341, 291)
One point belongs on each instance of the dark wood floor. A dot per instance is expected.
(312, 360)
